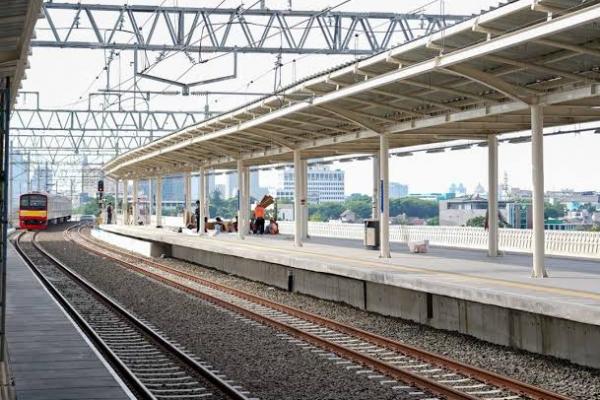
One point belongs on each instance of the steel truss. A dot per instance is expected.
(100, 120)
(80, 142)
(251, 31)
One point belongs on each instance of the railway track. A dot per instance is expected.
(432, 373)
(154, 367)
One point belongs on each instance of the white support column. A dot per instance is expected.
(116, 206)
(125, 220)
(159, 201)
(241, 201)
(150, 201)
(202, 198)
(134, 202)
(187, 197)
(384, 220)
(493, 195)
(304, 198)
(247, 197)
(206, 196)
(376, 183)
(537, 145)
(297, 199)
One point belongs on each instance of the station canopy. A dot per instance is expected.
(473, 79)
(17, 22)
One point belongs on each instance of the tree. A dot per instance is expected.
(218, 206)
(435, 221)
(360, 204)
(554, 210)
(477, 221)
(413, 207)
(325, 211)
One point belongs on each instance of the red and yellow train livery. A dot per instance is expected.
(37, 210)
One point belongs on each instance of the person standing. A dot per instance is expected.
(197, 215)
(109, 212)
(259, 213)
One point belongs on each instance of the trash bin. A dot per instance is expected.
(372, 234)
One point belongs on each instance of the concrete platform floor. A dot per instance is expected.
(572, 290)
(49, 356)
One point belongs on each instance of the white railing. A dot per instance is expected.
(559, 243)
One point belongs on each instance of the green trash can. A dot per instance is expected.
(371, 234)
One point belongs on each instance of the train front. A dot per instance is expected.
(33, 211)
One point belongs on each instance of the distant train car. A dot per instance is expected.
(37, 210)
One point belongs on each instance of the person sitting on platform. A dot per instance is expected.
(219, 225)
(273, 227)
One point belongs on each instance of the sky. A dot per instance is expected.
(64, 77)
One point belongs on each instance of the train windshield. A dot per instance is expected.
(33, 202)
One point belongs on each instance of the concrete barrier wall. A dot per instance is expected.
(566, 339)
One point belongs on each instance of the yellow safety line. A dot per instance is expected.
(555, 290)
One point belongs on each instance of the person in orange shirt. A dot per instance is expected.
(259, 213)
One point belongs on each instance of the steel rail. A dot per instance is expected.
(432, 358)
(227, 389)
(124, 371)
(390, 370)
(424, 355)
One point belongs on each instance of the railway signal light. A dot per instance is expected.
(101, 185)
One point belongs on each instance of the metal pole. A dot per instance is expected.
(493, 195)
(5, 120)
(10, 183)
(28, 172)
(384, 220)
(202, 199)
(241, 202)
(297, 199)
(537, 146)
(46, 177)
(376, 180)
(159, 201)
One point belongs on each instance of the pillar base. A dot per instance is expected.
(544, 275)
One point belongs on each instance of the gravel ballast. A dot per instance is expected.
(251, 355)
(547, 372)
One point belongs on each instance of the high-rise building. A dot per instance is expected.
(210, 182)
(324, 184)
(232, 185)
(19, 178)
(398, 190)
(256, 191)
(172, 189)
(42, 179)
(90, 175)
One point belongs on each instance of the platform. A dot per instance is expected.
(490, 298)
(49, 356)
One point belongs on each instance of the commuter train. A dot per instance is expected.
(37, 210)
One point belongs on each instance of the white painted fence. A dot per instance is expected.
(559, 243)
